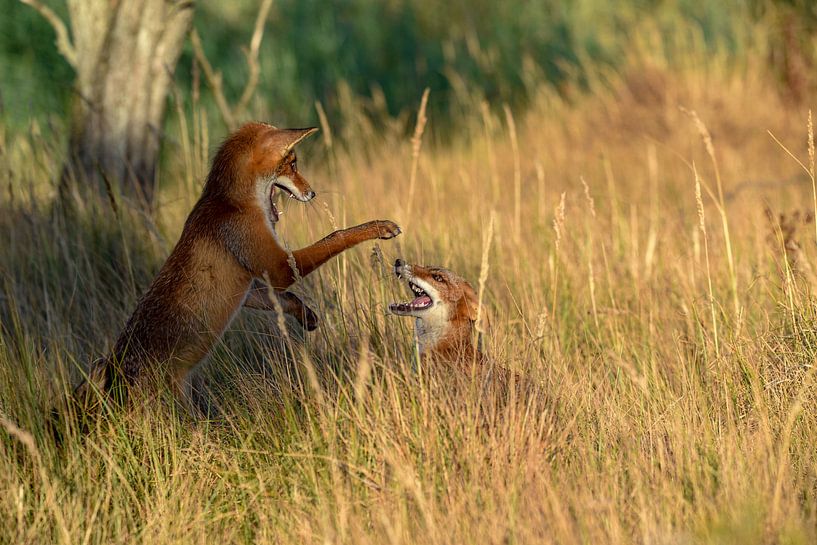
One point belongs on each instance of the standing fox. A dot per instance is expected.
(228, 245)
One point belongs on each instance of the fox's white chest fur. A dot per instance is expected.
(263, 189)
(431, 328)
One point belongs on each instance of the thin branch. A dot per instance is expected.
(230, 114)
(63, 42)
(213, 79)
(252, 56)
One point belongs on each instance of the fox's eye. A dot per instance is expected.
(438, 277)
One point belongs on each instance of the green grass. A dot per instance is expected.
(382, 55)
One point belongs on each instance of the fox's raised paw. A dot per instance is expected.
(386, 229)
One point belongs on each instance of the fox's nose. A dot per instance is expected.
(399, 263)
(310, 195)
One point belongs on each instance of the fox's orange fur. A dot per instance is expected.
(228, 244)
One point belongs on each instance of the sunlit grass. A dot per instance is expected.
(673, 398)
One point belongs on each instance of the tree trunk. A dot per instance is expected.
(124, 53)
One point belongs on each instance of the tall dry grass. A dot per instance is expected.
(630, 272)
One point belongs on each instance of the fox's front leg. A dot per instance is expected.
(258, 298)
(310, 258)
(265, 256)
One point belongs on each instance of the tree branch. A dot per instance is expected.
(64, 45)
(230, 114)
(252, 56)
(213, 79)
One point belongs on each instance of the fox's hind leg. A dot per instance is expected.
(259, 299)
(94, 387)
(84, 404)
(181, 384)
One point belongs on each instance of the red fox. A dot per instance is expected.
(445, 310)
(227, 245)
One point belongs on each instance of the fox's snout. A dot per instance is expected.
(296, 186)
(401, 268)
(303, 186)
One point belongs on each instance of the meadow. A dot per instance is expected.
(643, 242)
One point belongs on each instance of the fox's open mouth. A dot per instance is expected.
(305, 196)
(287, 190)
(273, 210)
(422, 301)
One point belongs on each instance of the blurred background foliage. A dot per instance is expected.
(382, 54)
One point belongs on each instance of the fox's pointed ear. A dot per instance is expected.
(471, 302)
(290, 137)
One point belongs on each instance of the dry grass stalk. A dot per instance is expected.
(706, 137)
(488, 135)
(702, 226)
(591, 279)
(483, 270)
(330, 215)
(416, 145)
(325, 128)
(558, 229)
(517, 174)
(559, 221)
(812, 173)
(541, 325)
(52, 502)
(362, 373)
(540, 180)
(590, 203)
(279, 311)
